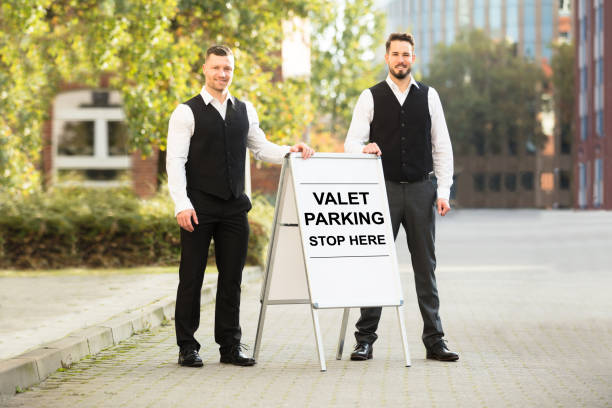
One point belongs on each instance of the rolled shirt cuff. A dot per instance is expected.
(182, 207)
(444, 192)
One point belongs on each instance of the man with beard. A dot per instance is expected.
(402, 121)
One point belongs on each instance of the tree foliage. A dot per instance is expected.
(491, 97)
(562, 65)
(343, 60)
(152, 52)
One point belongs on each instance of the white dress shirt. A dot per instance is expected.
(180, 130)
(442, 152)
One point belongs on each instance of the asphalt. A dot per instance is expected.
(525, 300)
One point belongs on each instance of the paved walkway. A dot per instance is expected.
(39, 309)
(525, 300)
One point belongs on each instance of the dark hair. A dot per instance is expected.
(221, 50)
(399, 37)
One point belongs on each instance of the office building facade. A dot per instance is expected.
(593, 118)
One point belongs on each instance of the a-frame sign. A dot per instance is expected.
(332, 244)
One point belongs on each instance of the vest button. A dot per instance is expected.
(403, 137)
(403, 124)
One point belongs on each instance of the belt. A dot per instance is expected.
(428, 176)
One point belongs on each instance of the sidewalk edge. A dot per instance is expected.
(32, 367)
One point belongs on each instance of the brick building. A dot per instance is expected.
(593, 116)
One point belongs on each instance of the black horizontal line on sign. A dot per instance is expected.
(340, 183)
(351, 256)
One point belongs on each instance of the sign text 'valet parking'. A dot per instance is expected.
(342, 209)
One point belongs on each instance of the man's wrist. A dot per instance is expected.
(178, 210)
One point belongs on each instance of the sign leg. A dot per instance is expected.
(402, 324)
(317, 330)
(345, 317)
(260, 325)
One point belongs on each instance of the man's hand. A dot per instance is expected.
(302, 147)
(372, 148)
(184, 219)
(443, 206)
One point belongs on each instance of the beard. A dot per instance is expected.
(400, 75)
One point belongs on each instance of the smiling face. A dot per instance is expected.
(218, 71)
(399, 58)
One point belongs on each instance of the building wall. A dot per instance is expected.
(593, 116)
(532, 24)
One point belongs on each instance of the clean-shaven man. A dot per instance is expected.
(207, 141)
(402, 121)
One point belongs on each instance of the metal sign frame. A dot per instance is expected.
(283, 193)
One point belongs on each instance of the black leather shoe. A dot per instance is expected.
(236, 357)
(363, 351)
(190, 358)
(440, 352)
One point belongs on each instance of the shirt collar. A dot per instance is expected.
(208, 97)
(394, 86)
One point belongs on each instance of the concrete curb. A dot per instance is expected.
(33, 367)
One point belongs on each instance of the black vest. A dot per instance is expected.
(403, 132)
(215, 163)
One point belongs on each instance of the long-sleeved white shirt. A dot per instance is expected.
(359, 132)
(180, 130)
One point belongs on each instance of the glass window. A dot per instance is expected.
(512, 25)
(76, 139)
(117, 138)
(566, 136)
(479, 182)
(495, 19)
(479, 13)
(510, 181)
(464, 13)
(564, 180)
(495, 182)
(90, 138)
(582, 185)
(598, 184)
(599, 121)
(437, 21)
(527, 180)
(449, 15)
(547, 29)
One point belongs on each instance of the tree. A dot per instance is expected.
(562, 65)
(152, 52)
(343, 59)
(491, 96)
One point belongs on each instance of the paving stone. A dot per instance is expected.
(533, 327)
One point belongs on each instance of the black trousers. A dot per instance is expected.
(224, 221)
(413, 206)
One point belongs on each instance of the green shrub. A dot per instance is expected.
(70, 227)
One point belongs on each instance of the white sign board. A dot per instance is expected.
(332, 244)
(346, 231)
